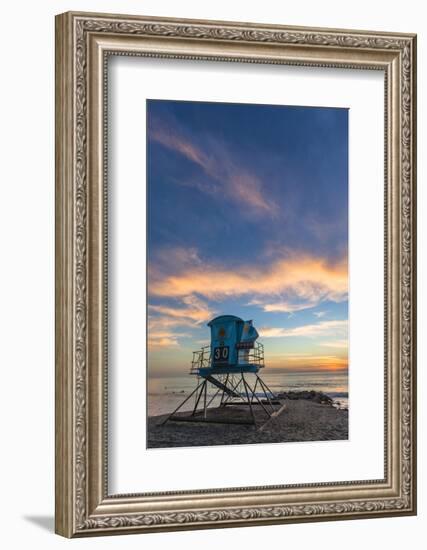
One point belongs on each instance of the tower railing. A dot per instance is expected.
(252, 356)
(257, 354)
(201, 359)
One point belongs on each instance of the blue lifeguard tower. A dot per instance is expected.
(230, 367)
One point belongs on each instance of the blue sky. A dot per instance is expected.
(247, 215)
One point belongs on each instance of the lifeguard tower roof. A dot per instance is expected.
(224, 319)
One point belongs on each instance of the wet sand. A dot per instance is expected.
(302, 419)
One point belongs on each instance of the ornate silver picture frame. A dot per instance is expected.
(84, 505)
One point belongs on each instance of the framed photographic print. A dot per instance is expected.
(235, 274)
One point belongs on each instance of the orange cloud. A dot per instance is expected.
(160, 337)
(194, 310)
(161, 326)
(182, 313)
(158, 340)
(335, 344)
(311, 279)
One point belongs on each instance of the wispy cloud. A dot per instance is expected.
(170, 138)
(308, 278)
(158, 339)
(192, 310)
(165, 322)
(340, 344)
(317, 329)
(285, 306)
(224, 176)
(319, 314)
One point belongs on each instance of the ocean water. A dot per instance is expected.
(165, 394)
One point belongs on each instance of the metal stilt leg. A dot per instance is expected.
(198, 398)
(249, 401)
(185, 401)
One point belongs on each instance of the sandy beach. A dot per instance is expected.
(307, 416)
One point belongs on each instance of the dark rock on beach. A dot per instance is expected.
(316, 396)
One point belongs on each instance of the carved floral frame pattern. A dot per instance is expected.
(75, 514)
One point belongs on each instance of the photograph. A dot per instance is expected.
(247, 263)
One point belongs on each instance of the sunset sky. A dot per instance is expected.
(247, 215)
